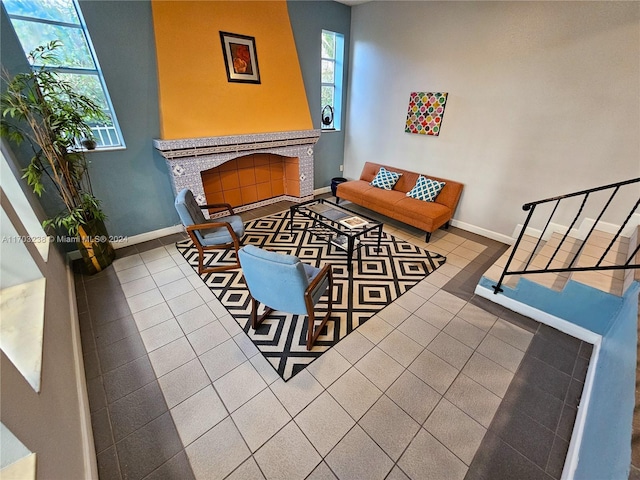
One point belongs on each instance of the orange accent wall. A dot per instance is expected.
(196, 100)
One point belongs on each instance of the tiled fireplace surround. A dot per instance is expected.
(188, 158)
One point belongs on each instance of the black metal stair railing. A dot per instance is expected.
(570, 267)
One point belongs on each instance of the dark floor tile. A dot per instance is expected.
(523, 434)
(121, 352)
(459, 289)
(148, 448)
(569, 343)
(544, 376)
(81, 303)
(95, 392)
(104, 312)
(101, 425)
(586, 349)
(126, 251)
(567, 422)
(150, 245)
(136, 410)
(557, 458)
(580, 368)
(541, 406)
(171, 239)
(574, 394)
(111, 332)
(128, 378)
(108, 468)
(495, 460)
(552, 353)
(177, 467)
(91, 365)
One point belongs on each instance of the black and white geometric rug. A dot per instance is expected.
(377, 279)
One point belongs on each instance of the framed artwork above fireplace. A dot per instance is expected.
(240, 58)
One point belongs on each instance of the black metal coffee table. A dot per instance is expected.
(343, 228)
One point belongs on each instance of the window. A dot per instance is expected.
(37, 22)
(332, 69)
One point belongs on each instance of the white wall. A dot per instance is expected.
(544, 98)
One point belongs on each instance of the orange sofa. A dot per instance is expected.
(427, 216)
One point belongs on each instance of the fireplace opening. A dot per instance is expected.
(252, 178)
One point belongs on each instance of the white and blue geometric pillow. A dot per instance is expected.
(426, 189)
(385, 179)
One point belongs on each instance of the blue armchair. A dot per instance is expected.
(208, 234)
(282, 282)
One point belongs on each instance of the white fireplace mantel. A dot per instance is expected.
(187, 158)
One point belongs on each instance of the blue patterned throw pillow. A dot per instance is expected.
(385, 179)
(425, 189)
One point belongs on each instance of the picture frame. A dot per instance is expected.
(240, 57)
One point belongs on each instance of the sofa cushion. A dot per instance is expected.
(354, 190)
(425, 189)
(385, 179)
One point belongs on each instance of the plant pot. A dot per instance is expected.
(95, 247)
(334, 184)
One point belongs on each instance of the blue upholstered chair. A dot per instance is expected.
(282, 282)
(208, 234)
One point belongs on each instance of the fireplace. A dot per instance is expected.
(187, 159)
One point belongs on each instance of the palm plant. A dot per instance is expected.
(40, 107)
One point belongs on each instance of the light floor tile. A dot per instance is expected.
(501, 352)
(425, 289)
(375, 329)
(400, 347)
(239, 386)
(160, 264)
(394, 314)
(246, 345)
(264, 368)
(206, 294)
(354, 346)
(168, 276)
(145, 300)
(195, 318)
(260, 418)
(328, 367)
(477, 317)
(418, 330)
(450, 350)
(171, 356)
(184, 381)
(380, 368)
(152, 316)
(227, 321)
(218, 452)
(410, 301)
(488, 374)
(127, 262)
(207, 337)
(322, 472)
(355, 393)
(449, 302)
(324, 422)
(185, 302)
(428, 459)
(389, 426)
(438, 279)
(473, 399)
(138, 286)
(434, 371)
(298, 392)
(154, 254)
(197, 414)
(465, 332)
(414, 396)
(222, 359)
(359, 457)
(512, 334)
(455, 430)
(397, 474)
(434, 314)
(249, 470)
(176, 288)
(287, 455)
(161, 334)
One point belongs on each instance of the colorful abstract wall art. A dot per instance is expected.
(425, 113)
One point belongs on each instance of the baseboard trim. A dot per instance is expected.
(498, 237)
(569, 328)
(86, 432)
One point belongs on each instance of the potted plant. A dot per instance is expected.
(42, 108)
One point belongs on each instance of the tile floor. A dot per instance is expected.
(440, 384)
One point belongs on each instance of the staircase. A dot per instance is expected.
(582, 278)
